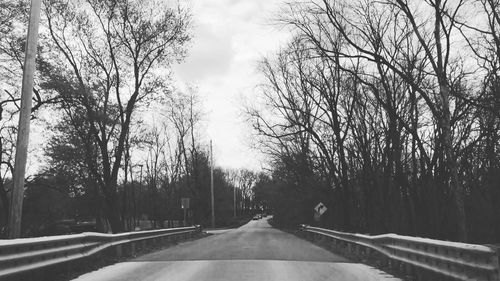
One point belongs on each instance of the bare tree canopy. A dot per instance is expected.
(111, 54)
(383, 107)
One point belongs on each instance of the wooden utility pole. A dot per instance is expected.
(16, 206)
(133, 196)
(234, 201)
(212, 184)
(140, 191)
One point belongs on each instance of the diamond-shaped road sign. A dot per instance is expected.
(320, 208)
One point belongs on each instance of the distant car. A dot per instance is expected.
(80, 227)
(257, 217)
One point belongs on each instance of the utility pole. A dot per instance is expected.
(133, 195)
(212, 184)
(16, 206)
(140, 190)
(234, 201)
(140, 165)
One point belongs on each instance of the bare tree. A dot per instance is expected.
(366, 37)
(112, 49)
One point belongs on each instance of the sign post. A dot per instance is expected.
(185, 207)
(212, 184)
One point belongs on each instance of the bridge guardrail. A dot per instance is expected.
(451, 259)
(26, 254)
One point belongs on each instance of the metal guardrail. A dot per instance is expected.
(451, 259)
(26, 254)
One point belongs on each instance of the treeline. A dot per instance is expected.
(119, 143)
(388, 112)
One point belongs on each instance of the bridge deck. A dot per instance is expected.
(255, 251)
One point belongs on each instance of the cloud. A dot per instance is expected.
(230, 37)
(211, 54)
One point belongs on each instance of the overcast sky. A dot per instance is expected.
(230, 36)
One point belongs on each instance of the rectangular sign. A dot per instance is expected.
(185, 203)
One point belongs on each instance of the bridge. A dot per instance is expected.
(254, 251)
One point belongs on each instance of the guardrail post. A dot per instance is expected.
(368, 252)
(496, 262)
(358, 249)
(399, 266)
(408, 270)
(118, 251)
(331, 244)
(132, 249)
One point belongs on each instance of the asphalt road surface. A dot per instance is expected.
(255, 251)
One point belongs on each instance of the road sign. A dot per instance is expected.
(185, 203)
(320, 208)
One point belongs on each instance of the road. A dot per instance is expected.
(255, 251)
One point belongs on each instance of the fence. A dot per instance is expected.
(451, 259)
(27, 254)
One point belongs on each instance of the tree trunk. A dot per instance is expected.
(112, 208)
(456, 187)
(4, 220)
